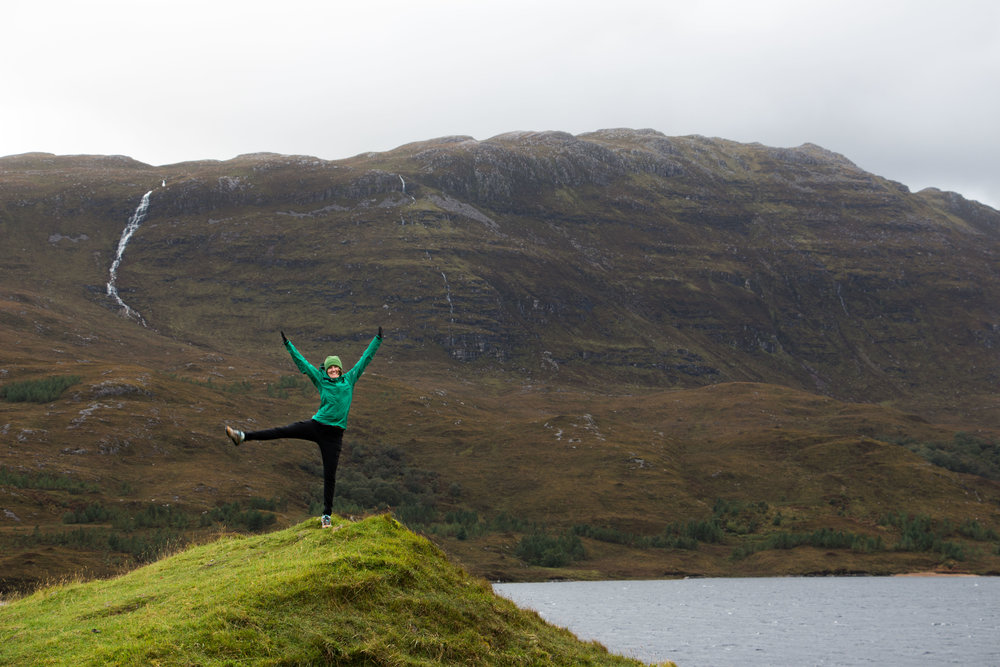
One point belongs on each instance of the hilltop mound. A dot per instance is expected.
(363, 593)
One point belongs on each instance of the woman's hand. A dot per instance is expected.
(380, 333)
(283, 339)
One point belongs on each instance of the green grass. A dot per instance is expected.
(44, 390)
(366, 593)
(46, 481)
(965, 453)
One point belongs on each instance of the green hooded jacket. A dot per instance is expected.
(334, 395)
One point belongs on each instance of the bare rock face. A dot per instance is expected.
(501, 170)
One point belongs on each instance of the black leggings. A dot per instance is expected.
(329, 439)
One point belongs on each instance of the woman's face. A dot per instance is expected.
(333, 372)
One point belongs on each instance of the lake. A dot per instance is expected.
(780, 621)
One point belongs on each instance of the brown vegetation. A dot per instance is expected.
(586, 336)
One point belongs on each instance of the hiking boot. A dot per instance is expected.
(236, 436)
(325, 521)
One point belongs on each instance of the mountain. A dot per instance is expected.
(666, 354)
(357, 594)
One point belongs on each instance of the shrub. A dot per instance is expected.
(45, 481)
(162, 516)
(235, 517)
(824, 538)
(286, 382)
(386, 493)
(341, 506)
(674, 536)
(460, 531)
(863, 544)
(965, 453)
(604, 534)
(144, 548)
(464, 517)
(704, 531)
(93, 513)
(240, 387)
(738, 516)
(550, 551)
(269, 504)
(380, 477)
(505, 522)
(974, 530)
(415, 514)
(919, 534)
(952, 550)
(45, 390)
(672, 541)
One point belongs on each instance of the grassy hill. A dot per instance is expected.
(366, 593)
(617, 354)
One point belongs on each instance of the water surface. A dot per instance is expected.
(780, 621)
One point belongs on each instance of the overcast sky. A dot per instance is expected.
(907, 89)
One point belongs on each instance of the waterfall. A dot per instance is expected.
(133, 224)
(447, 296)
(451, 309)
(402, 182)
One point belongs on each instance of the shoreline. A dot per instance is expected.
(937, 574)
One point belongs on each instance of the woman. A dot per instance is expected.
(326, 428)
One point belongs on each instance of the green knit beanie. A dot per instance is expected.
(332, 360)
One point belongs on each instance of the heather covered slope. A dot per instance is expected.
(367, 593)
(603, 335)
(677, 261)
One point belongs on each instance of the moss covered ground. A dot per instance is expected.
(362, 593)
